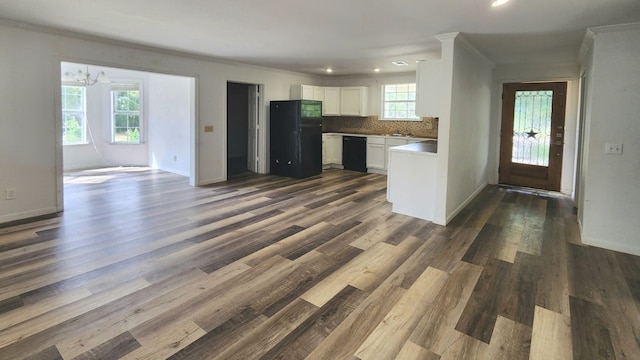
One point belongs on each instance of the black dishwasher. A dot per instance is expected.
(354, 153)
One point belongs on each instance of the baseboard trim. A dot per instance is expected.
(6, 220)
(464, 204)
(610, 245)
(210, 181)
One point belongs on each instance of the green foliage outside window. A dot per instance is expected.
(126, 116)
(73, 115)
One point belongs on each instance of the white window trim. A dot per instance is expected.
(140, 88)
(85, 123)
(382, 103)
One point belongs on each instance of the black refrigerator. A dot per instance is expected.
(296, 138)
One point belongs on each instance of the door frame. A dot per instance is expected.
(253, 128)
(261, 129)
(554, 182)
(194, 153)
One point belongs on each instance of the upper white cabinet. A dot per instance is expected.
(428, 100)
(318, 93)
(353, 100)
(331, 104)
(307, 92)
(336, 101)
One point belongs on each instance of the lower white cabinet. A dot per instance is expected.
(331, 149)
(324, 150)
(376, 155)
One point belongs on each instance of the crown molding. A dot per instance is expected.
(614, 28)
(587, 42)
(474, 50)
(590, 35)
(447, 36)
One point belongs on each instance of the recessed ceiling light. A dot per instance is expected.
(400, 63)
(495, 3)
(376, 70)
(329, 70)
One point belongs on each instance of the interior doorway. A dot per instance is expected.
(116, 117)
(532, 140)
(242, 128)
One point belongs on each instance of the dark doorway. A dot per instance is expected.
(237, 128)
(532, 138)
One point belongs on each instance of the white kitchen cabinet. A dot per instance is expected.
(318, 93)
(336, 101)
(324, 149)
(428, 80)
(332, 149)
(331, 104)
(306, 92)
(376, 156)
(354, 101)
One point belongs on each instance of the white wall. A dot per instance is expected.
(467, 124)
(611, 202)
(30, 134)
(538, 72)
(169, 121)
(100, 151)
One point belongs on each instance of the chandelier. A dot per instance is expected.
(84, 77)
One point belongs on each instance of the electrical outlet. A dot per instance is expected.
(10, 194)
(208, 128)
(614, 149)
(429, 125)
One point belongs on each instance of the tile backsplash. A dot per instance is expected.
(427, 127)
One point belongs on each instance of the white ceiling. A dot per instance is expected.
(351, 36)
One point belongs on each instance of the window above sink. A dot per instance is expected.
(399, 102)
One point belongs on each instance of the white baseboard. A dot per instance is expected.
(466, 202)
(27, 214)
(633, 249)
(377, 171)
(210, 181)
(177, 172)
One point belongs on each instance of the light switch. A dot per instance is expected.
(208, 128)
(614, 149)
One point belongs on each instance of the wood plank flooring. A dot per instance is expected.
(143, 266)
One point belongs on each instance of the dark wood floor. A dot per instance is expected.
(142, 266)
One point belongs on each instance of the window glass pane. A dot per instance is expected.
(126, 113)
(532, 127)
(134, 121)
(399, 101)
(73, 115)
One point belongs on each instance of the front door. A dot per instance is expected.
(532, 134)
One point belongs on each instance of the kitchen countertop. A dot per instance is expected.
(381, 135)
(429, 147)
